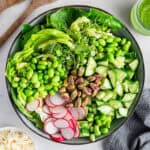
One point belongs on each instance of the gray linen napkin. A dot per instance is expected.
(135, 133)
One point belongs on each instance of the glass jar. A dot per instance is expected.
(140, 16)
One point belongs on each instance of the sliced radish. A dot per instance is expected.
(67, 133)
(48, 101)
(57, 100)
(49, 127)
(72, 124)
(57, 137)
(32, 106)
(68, 116)
(85, 110)
(74, 112)
(45, 109)
(49, 119)
(61, 123)
(81, 113)
(58, 111)
(77, 132)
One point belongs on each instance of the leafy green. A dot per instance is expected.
(31, 116)
(27, 31)
(103, 18)
(63, 18)
(48, 37)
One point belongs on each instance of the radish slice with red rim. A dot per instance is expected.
(48, 101)
(49, 127)
(49, 119)
(46, 109)
(68, 116)
(32, 106)
(67, 133)
(57, 100)
(57, 137)
(61, 123)
(81, 113)
(74, 112)
(58, 111)
(77, 132)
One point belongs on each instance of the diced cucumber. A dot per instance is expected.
(103, 63)
(100, 95)
(134, 64)
(134, 87)
(105, 84)
(99, 102)
(127, 104)
(102, 70)
(126, 86)
(115, 104)
(130, 74)
(106, 109)
(130, 86)
(128, 97)
(109, 95)
(123, 112)
(119, 62)
(91, 65)
(119, 89)
(121, 75)
(106, 95)
(112, 77)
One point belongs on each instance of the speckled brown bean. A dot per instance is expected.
(94, 93)
(78, 102)
(74, 72)
(87, 90)
(83, 95)
(65, 96)
(71, 80)
(91, 78)
(81, 71)
(85, 101)
(65, 83)
(74, 94)
(62, 90)
(71, 87)
(81, 86)
(79, 80)
(79, 93)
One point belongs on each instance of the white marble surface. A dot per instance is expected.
(120, 8)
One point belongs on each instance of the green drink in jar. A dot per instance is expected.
(140, 16)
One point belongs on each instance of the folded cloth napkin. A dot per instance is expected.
(135, 133)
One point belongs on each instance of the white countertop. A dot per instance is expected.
(8, 117)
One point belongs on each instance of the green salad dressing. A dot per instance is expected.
(144, 13)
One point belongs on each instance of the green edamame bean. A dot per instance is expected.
(96, 130)
(43, 63)
(34, 60)
(126, 47)
(102, 42)
(56, 79)
(34, 78)
(92, 137)
(41, 67)
(123, 41)
(15, 84)
(109, 39)
(51, 72)
(104, 130)
(52, 92)
(84, 124)
(28, 92)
